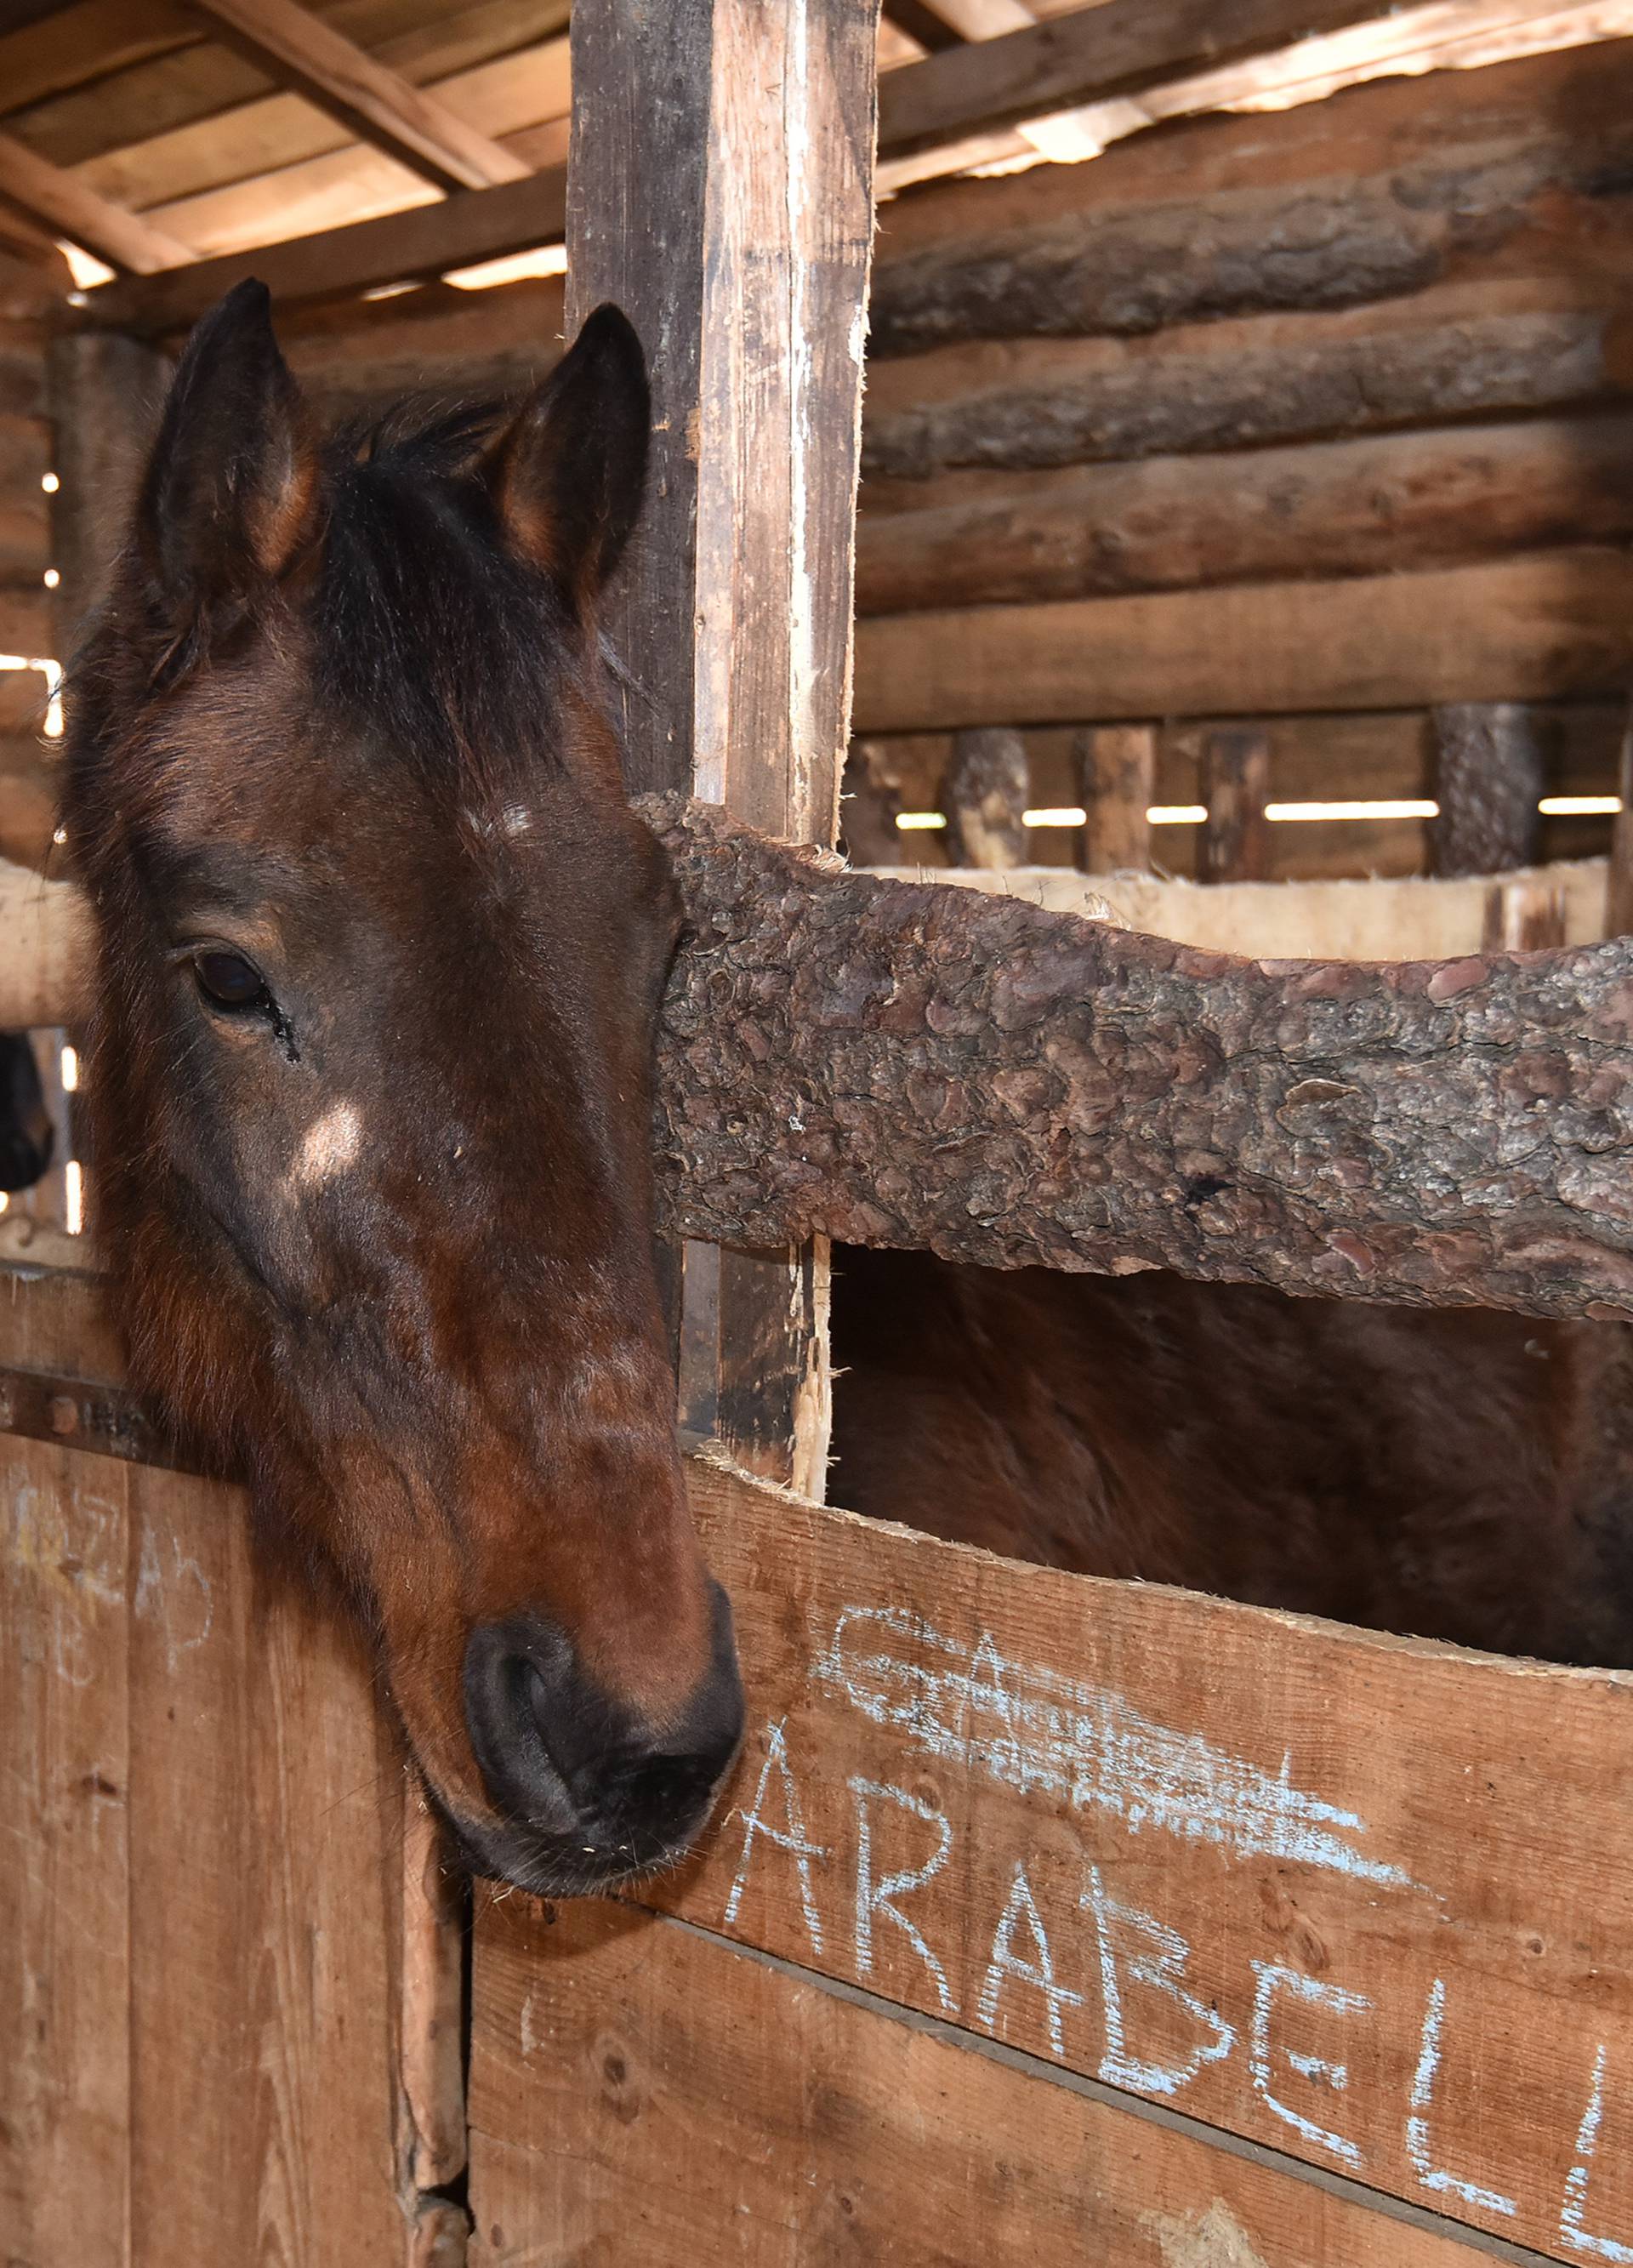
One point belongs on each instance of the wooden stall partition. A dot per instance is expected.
(722, 193)
(230, 2014)
(1058, 1919)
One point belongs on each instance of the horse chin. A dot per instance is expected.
(550, 1866)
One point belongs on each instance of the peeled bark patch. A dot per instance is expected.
(915, 1065)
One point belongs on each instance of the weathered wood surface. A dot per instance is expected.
(107, 394)
(1490, 771)
(1530, 628)
(1416, 919)
(647, 2097)
(722, 194)
(1026, 405)
(1360, 1899)
(1125, 45)
(400, 247)
(202, 1976)
(1340, 508)
(411, 124)
(1116, 769)
(65, 206)
(986, 793)
(891, 1064)
(1235, 845)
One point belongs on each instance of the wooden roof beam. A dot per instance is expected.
(411, 124)
(398, 247)
(63, 203)
(1117, 49)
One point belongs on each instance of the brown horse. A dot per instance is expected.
(381, 947)
(1461, 1475)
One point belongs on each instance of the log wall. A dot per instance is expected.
(1309, 419)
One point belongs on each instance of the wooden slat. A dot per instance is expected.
(107, 394)
(1115, 48)
(645, 2096)
(1531, 628)
(65, 1972)
(1235, 844)
(48, 193)
(722, 194)
(476, 226)
(1360, 1899)
(410, 123)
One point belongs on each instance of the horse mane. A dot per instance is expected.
(429, 634)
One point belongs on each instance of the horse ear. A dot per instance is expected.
(568, 473)
(233, 479)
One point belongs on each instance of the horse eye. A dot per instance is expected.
(229, 981)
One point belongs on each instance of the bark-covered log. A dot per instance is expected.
(891, 1063)
(1346, 508)
(1334, 243)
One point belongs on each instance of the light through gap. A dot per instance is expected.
(73, 1198)
(69, 1064)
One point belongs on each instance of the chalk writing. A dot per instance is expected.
(1154, 1956)
(1006, 1963)
(879, 1897)
(1573, 2213)
(1033, 1728)
(790, 1836)
(159, 1593)
(1337, 1999)
(1433, 2177)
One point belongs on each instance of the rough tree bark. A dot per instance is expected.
(906, 1064)
(1491, 770)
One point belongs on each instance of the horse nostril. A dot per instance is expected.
(559, 1756)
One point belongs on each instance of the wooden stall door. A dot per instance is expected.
(223, 1945)
(1053, 1919)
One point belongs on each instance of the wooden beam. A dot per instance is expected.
(722, 193)
(1235, 786)
(1116, 769)
(49, 194)
(1527, 629)
(985, 793)
(1331, 508)
(1014, 1088)
(399, 247)
(1489, 772)
(411, 124)
(922, 23)
(1116, 48)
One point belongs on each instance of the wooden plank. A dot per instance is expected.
(722, 196)
(1235, 844)
(65, 2100)
(1357, 1898)
(1531, 628)
(1412, 920)
(644, 2096)
(985, 793)
(1339, 508)
(379, 106)
(1116, 769)
(476, 226)
(49, 194)
(1489, 772)
(1115, 48)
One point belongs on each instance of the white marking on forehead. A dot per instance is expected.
(516, 820)
(329, 1144)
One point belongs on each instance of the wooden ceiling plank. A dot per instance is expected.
(44, 191)
(1117, 49)
(921, 22)
(402, 247)
(379, 106)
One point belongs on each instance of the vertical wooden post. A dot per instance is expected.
(721, 190)
(1619, 883)
(986, 793)
(1235, 783)
(105, 393)
(1525, 916)
(1489, 777)
(1117, 782)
